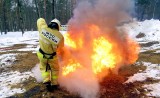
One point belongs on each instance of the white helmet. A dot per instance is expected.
(57, 21)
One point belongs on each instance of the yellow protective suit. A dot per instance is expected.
(50, 40)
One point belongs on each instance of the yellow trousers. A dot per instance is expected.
(49, 74)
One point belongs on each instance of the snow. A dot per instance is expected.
(151, 29)
(29, 48)
(12, 78)
(6, 60)
(12, 38)
(154, 89)
(158, 51)
(152, 71)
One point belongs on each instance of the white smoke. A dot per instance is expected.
(37, 73)
(81, 82)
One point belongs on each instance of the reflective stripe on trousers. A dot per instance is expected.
(52, 74)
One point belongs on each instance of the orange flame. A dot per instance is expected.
(71, 43)
(68, 41)
(102, 56)
(71, 67)
(100, 50)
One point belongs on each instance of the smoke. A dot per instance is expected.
(107, 15)
(81, 82)
(37, 73)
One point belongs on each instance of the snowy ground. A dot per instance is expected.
(7, 79)
(151, 29)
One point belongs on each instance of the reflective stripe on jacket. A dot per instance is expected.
(49, 39)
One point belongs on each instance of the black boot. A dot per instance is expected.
(49, 86)
(55, 87)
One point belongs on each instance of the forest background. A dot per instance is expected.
(21, 15)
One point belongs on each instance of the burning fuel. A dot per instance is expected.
(102, 57)
(93, 45)
(101, 52)
(71, 67)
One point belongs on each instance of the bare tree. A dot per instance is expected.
(154, 7)
(53, 9)
(20, 18)
(4, 16)
(45, 8)
(37, 8)
(1, 17)
(22, 14)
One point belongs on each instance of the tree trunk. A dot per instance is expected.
(45, 9)
(1, 17)
(20, 17)
(4, 17)
(53, 9)
(37, 9)
(154, 7)
(0, 27)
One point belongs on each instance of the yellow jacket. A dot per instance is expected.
(49, 39)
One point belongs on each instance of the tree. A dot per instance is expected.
(1, 17)
(64, 9)
(37, 8)
(20, 18)
(45, 9)
(147, 9)
(53, 9)
(20, 15)
(154, 7)
(4, 21)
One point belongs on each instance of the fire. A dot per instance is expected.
(102, 56)
(93, 46)
(71, 67)
(71, 43)
(94, 28)
(133, 47)
(68, 41)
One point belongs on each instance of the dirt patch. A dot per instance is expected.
(130, 70)
(113, 87)
(140, 35)
(149, 56)
(15, 46)
(149, 44)
(38, 90)
(25, 61)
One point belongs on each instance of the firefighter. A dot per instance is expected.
(51, 41)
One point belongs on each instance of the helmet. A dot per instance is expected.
(56, 21)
